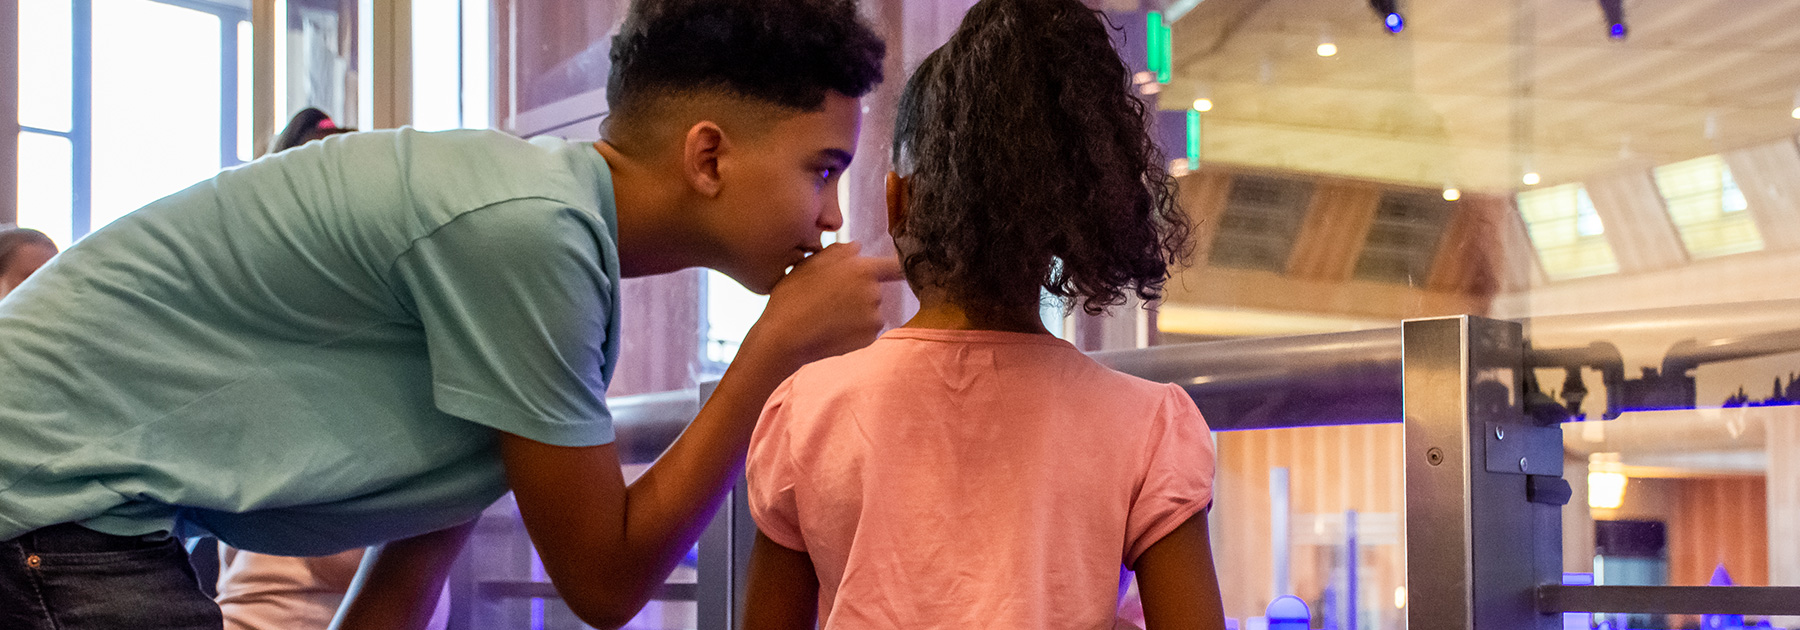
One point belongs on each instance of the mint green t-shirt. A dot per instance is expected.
(315, 351)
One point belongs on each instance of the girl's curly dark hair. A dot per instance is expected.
(1031, 165)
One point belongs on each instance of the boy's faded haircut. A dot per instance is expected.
(780, 52)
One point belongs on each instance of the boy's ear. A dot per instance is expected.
(899, 190)
(701, 149)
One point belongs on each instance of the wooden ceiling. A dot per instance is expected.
(1475, 92)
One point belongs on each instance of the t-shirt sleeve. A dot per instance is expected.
(770, 473)
(515, 305)
(1178, 476)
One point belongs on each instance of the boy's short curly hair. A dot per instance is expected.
(783, 52)
(1031, 165)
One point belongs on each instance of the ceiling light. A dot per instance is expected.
(1203, 104)
(1389, 10)
(1327, 49)
(1606, 490)
(1532, 179)
(1614, 11)
(1796, 112)
(1452, 194)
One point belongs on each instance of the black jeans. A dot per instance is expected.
(67, 577)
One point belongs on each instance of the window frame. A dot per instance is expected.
(81, 123)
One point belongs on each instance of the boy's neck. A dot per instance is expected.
(655, 237)
(936, 310)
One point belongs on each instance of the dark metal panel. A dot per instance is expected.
(1678, 600)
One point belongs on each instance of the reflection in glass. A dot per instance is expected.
(316, 61)
(1567, 232)
(1708, 208)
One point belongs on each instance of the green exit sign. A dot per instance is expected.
(1160, 54)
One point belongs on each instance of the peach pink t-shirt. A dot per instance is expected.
(974, 479)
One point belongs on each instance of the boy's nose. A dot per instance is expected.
(832, 219)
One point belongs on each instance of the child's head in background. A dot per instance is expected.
(1024, 163)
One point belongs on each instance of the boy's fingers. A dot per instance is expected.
(887, 269)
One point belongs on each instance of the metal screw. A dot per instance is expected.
(1521, 463)
(1499, 433)
(1434, 456)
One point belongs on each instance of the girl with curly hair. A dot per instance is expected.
(969, 469)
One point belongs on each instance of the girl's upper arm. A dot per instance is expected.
(783, 593)
(1176, 581)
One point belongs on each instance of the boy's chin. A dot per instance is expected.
(756, 282)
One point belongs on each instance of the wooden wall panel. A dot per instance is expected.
(1719, 521)
(1337, 222)
(1203, 195)
(1470, 256)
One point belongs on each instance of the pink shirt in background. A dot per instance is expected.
(974, 479)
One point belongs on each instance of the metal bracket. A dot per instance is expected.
(1520, 449)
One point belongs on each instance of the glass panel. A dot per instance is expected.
(562, 49)
(141, 48)
(45, 189)
(46, 70)
(730, 312)
(437, 65)
(515, 591)
(1708, 208)
(1314, 513)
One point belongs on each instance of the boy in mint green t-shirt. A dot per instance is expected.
(369, 339)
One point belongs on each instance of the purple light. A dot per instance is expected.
(1616, 31)
(1394, 23)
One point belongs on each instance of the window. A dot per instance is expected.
(1708, 209)
(451, 88)
(1567, 232)
(123, 102)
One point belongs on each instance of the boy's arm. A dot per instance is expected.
(606, 546)
(784, 589)
(1177, 583)
(397, 587)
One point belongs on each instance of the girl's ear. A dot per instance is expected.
(898, 192)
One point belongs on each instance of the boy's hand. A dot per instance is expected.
(829, 304)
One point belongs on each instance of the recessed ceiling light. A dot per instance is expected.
(1203, 104)
(1327, 49)
(1532, 179)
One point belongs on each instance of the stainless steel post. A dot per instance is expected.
(1477, 543)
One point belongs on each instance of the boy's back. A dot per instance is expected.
(953, 479)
